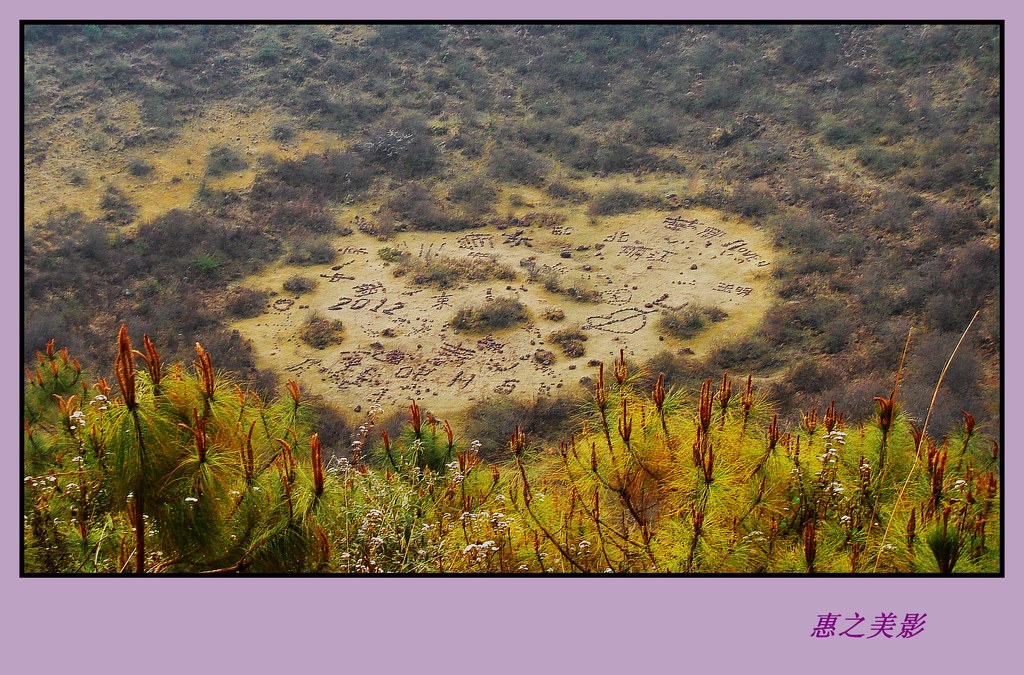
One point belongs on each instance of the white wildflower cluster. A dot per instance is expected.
(100, 401)
(829, 456)
(960, 485)
(475, 447)
(44, 482)
(836, 488)
(479, 552)
(845, 520)
(496, 520)
(339, 465)
(191, 500)
(835, 437)
(456, 475)
(499, 498)
(583, 547)
(755, 536)
(77, 420)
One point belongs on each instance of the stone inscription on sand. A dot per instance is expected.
(398, 343)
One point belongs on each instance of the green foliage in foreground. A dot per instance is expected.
(182, 471)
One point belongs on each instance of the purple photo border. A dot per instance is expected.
(658, 625)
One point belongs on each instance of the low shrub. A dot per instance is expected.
(312, 252)
(687, 322)
(223, 159)
(139, 167)
(117, 208)
(499, 313)
(282, 132)
(512, 165)
(571, 341)
(299, 284)
(475, 194)
(245, 302)
(553, 283)
(616, 201)
(444, 272)
(320, 333)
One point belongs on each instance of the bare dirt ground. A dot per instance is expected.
(398, 343)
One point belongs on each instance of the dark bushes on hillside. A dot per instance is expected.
(303, 214)
(330, 175)
(117, 208)
(415, 205)
(245, 302)
(516, 166)
(223, 159)
(404, 149)
(474, 194)
(616, 201)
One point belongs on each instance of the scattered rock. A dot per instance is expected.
(544, 357)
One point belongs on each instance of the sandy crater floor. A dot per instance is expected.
(399, 345)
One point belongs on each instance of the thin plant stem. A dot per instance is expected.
(917, 448)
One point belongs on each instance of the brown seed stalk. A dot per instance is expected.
(620, 367)
(415, 418)
(318, 464)
(205, 368)
(723, 396)
(124, 367)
